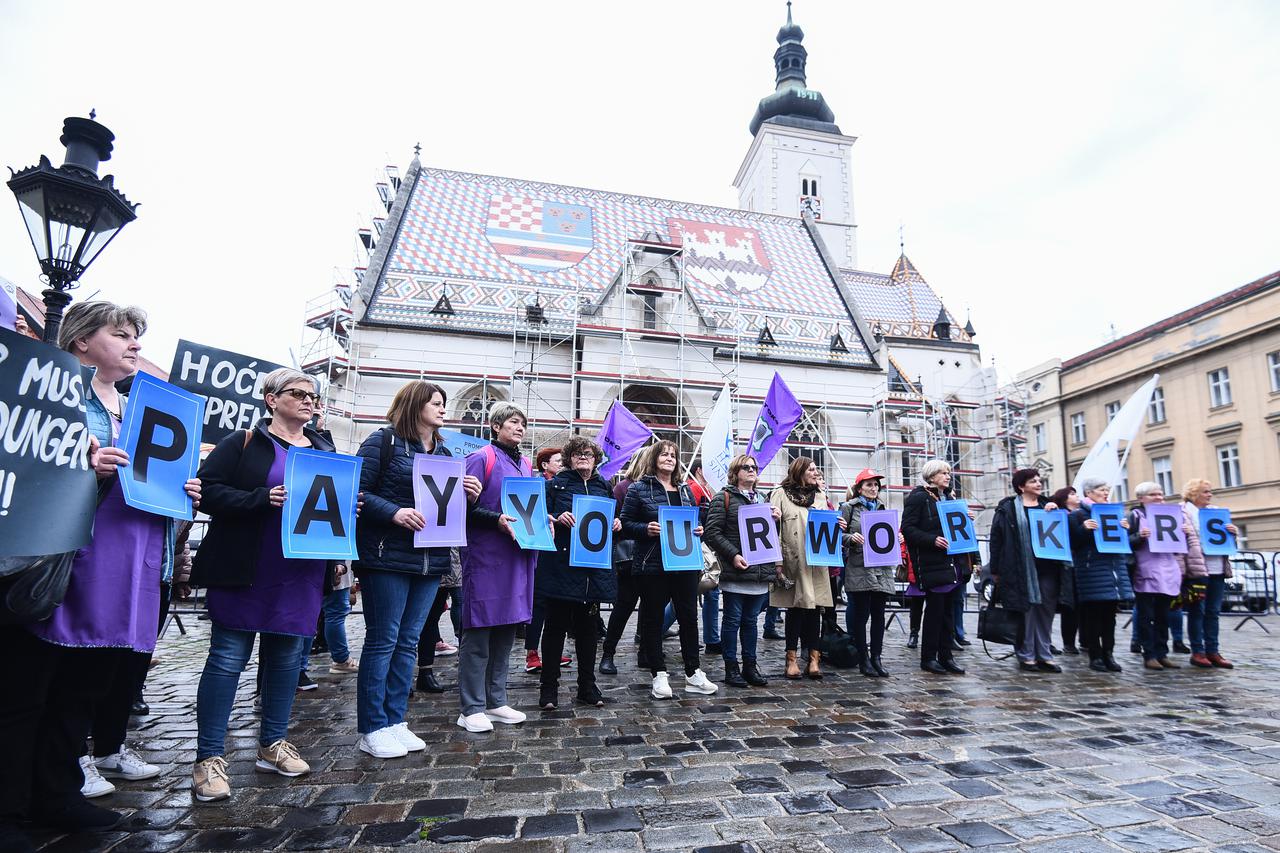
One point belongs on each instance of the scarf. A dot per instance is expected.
(803, 496)
(1028, 555)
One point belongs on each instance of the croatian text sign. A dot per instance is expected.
(232, 382)
(48, 493)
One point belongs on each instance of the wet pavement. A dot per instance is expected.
(1149, 761)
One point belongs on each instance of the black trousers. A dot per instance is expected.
(111, 716)
(681, 589)
(628, 598)
(939, 625)
(569, 618)
(431, 629)
(1153, 624)
(1098, 627)
(533, 633)
(802, 628)
(916, 612)
(868, 607)
(1069, 623)
(45, 715)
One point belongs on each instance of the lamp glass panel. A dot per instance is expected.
(31, 203)
(104, 228)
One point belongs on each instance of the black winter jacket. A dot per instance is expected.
(385, 545)
(235, 495)
(555, 577)
(921, 525)
(721, 534)
(641, 507)
(1006, 560)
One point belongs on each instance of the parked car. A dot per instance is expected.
(1250, 587)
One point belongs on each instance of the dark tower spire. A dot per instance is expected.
(792, 102)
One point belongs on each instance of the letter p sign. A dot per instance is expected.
(159, 430)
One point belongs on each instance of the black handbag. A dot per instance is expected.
(34, 589)
(999, 625)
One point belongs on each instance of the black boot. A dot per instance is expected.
(427, 682)
(751, 672)
(140, 707)
(865, 667)
(1098, 665)
(607, 666)
(733, 675)
(1112, 666)
(880, 670)
(914, 640)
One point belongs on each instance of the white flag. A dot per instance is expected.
(717, 442)
(1103, 460)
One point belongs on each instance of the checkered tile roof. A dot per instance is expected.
(758, 266)
(896, 300)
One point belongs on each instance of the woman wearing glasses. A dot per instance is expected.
(253, 590)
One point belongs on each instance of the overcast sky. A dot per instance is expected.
(1058, 168)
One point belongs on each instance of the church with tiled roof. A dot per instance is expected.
(564, 299)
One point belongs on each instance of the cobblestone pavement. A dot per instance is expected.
(1176, 760)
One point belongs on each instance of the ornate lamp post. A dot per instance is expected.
(71, 214)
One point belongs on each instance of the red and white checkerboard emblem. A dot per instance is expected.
(543, 236)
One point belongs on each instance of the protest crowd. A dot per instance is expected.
(562, 548)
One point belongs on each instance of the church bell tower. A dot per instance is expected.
(799, 159)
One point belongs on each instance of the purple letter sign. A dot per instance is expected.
(1165, 523)
(758, 533)
(438, 495)
(880, 538)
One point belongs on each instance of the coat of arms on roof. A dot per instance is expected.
(723, 257)
(539, 235)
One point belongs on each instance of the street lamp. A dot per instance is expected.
(71, 214)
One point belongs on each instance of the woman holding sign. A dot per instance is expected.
(869, 586)
(1101, 579)
(399, 579)
(254, 591)
(1202, 616)
(811, 586)
(640, 510)
(937, 573)
(744, 583)
(1158, 578)
(573, 592)
(1026, 582)
(87, 660)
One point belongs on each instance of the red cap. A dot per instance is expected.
(864, 475)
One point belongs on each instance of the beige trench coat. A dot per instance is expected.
(813, 584)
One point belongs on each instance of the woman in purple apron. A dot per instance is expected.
(254, 591)
(75, 670)
(497, 579)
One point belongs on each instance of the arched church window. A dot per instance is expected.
(809, 438)
(473, 409)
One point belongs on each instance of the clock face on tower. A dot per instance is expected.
(813, 204)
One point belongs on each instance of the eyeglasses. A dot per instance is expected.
(299, 394)
(586, 454)
(748, 468)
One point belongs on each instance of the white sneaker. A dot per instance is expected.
(698, 683)
(382, 743)
(477, 722)
(94, 785)
(443, 649)
(126, 764)
(407, 739)
(506, 714)
(661, 686)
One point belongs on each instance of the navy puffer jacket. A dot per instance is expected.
(385, 545)
(555, 577)
(641, 507)
(1099, 577)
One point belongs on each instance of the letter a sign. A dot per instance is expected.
(320, 510)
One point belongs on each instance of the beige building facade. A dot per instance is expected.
(1215, 413)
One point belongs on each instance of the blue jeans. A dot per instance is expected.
(396, 605)
(229, 652)
(337, 605)
(1202, 617)
(959, 611)
(711, 617)
(771, 620)
(740, 614)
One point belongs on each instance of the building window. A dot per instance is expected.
(1229, 465)
(1155, 411)
(1039, 439)
(1120, 494)
(1163, 467)
(473, 411)
(650, 310)
(1113, 409)
(809, 432)
(1078, 434)
(1273, 368)
(1219, 388)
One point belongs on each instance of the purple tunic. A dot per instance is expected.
(497, 576)
(113, 598)
(286, 594)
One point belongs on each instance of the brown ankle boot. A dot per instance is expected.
(793, 669)
(813, 671)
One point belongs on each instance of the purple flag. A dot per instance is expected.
(778, 416)
(438, 495)
(621, 435)
(1165, 522)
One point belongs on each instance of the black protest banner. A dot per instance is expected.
(48, 494)
(231, 381)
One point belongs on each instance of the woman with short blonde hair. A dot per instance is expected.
(1202, 615)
